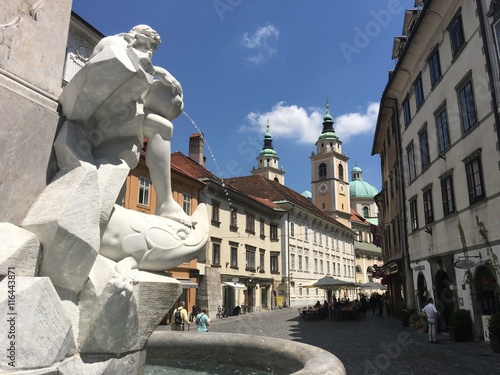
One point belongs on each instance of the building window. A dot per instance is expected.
(467, 107)
(475, 184)
(216, 254)
(328, 267)
(419, 92)
(250, 259)
(414, 214)
(234, 256)
(428, 212)
(215, 213)
(366, 211)
(456, 31)
(442, 131)
(262, 229)
(447, 194)
(341, 172)
(292, 230)
(434, 67)
(292, 262)
(144, 186)
(300, 262)
(412, 172)
(274, 232)
(234, 221)
(306, 233)
(315, 265)
(314, 237)
(274, 263)
(321, 266)
(186, 203)
(322, 171)
(406, 112)
(250, 224)
(306, 263)
(424, 148)
(262, 261)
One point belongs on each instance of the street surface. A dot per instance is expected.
(370, 345)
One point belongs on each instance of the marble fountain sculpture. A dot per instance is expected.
(82, 282)
(87, 286)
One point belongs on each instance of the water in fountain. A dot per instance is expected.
(198, 368)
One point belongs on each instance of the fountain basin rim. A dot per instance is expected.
(259, 352)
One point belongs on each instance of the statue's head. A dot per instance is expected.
(144, 33)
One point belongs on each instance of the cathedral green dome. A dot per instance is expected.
(359, 188)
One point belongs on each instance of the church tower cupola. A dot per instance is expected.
(268, 161)
(328, 140)
(329, 178)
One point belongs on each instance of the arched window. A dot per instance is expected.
(322, 171)
(341, 172)
(366, 211)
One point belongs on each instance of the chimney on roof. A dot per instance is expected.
(196, 149)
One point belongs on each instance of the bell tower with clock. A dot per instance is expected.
(329, 174)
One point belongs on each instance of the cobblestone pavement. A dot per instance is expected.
(370, 345)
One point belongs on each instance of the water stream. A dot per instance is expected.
(219, 172)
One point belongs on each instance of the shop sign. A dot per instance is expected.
(465, 264)
(419, 268)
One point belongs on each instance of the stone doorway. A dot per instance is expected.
(444, 299)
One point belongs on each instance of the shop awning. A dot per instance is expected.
(188, 284)
(234, 285)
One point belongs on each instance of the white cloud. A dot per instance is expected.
(261, 43)
(352, 124)
(304, 125)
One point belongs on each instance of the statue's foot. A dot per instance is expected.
(172, 210)
(123, 285)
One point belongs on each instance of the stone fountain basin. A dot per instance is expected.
(258, 352)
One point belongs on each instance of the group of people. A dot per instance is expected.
(180, 319)
(377, 303)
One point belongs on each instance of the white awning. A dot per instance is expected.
(234, 285)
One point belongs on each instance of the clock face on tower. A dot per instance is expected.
(323, 188)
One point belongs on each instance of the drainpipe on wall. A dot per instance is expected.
(489, 69)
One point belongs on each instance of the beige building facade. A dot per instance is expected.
(441, 102)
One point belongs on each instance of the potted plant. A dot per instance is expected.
(406, 313)
(494, 330)
(461, 326)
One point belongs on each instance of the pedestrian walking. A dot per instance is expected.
(380, 305)
(373, 303)
(180, 318)
(432, 319)
(202, 320)
(337, 308)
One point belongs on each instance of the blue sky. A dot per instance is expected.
(244, 62)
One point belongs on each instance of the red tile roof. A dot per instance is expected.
(189, 166)
(357, 217)
(259, 186)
